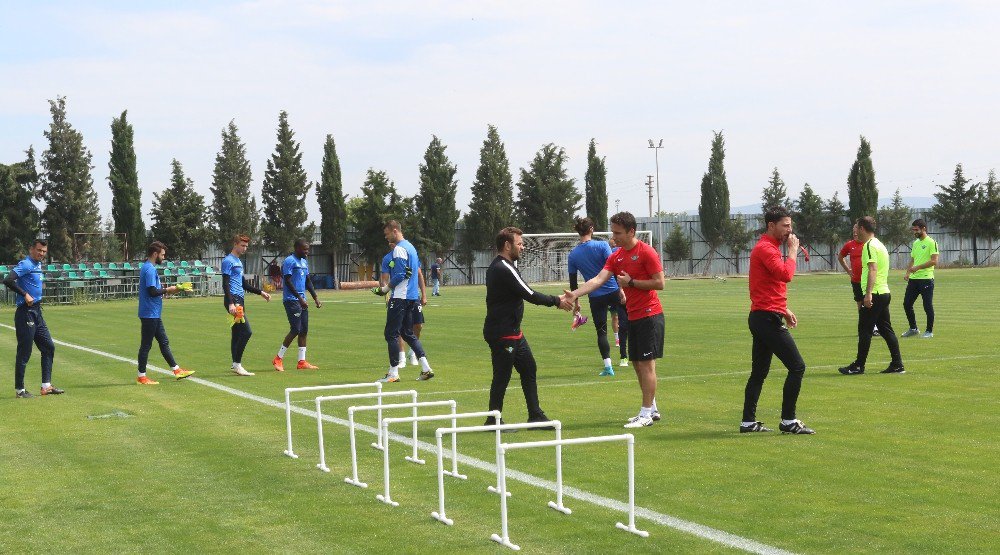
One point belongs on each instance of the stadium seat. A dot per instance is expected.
(112, 266)
(71, 274)
(198, 264)
(67, 267)
(170, 264)
(88, 275)
(185, 264)
(3, 270)
(103, 274)
(181, 272)
(51, 268)
(167, 272)
(81, 266)
(98, 266)
(127, 266)
(209, 271)
(196, 272)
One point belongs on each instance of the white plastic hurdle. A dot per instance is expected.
(440, 515)
(288, 406)
(629, 439)
(384, 497)
(319, 415)
(353, 478)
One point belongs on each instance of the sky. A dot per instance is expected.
(792, 85)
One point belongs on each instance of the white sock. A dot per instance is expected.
(176, 367)
(394, 371)
(645, 412)
(402, 357)
(142, 374)
(44, 385)
(746, 424)
(235, 364)
(787, 422)
(607, 362)
(424, 365)
(302, 353)
(281, 351)
(616, 336)
(20, 391)
(654, 406)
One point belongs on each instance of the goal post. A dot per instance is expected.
(546, 255)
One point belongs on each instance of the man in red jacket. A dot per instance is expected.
(770, 273)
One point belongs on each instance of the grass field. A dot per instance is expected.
(900, 463)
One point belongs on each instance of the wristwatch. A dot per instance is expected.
(631, 282)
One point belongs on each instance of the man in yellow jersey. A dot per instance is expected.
(875, 304)
(920, 279)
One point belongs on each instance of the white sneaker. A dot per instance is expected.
(639, 422)
(413, 359)
(656, 416)
(624, 362)
(240, 371)
(927, 335)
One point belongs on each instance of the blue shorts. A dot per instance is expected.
(416, 312)
(298, 318)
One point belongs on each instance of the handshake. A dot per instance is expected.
(567, 301)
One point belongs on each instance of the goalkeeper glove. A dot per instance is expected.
(186, 286)
(379, 290)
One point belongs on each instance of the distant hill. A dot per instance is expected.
(912, 202)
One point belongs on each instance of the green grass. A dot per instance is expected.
(899, 463)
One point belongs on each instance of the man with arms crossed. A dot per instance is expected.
(25, 280)
(588, 258)
(506, 292)
(234, 287)
(769, 276)
(875, 305)
(295, 273)
(920, 279)
(638, 269)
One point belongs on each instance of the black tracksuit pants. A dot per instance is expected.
(241, 332)
(923, 288)
(771, 338)
(507, 355)
(152, 328)
(31, 329)
(868, 318)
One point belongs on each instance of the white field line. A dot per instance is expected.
(693, 528)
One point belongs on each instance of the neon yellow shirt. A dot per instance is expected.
(875, 251)
(921, 251)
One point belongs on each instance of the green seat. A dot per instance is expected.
(127, 266)
(88, 275)
(112, 266)
(51, 268)
(185, 264)
(71, 274)
(170, 264)
(98, 266)
(67, 267)
(167, 272)
(81, 266)
(3, 270)
(209, 271)
(181, 272)
(103, 274)
(196, 272)
(198, 264)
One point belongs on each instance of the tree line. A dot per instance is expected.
(187, 222)
(969, 209)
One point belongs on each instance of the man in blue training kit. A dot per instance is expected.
(295, 273)
(589, 258)
(404, 290)
(234, 287)
(150, 311)
(26, 281)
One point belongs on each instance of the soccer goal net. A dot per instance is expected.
(546, 255)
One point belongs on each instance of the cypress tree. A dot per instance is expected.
(67, 188)
(808, 216)
(435, 203)
(894, 223)
(18, 215)
(492, 205)
(126, 204)
(380, 202)
(234, 207)
(331, 199)
(862, 190)
(547, 199)
(986, 207)
(775, 194)
(179, 217)
(837, 226)
(596, 188)
(953, 206)
(284, 193)
(713, 210)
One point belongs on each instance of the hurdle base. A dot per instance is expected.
(632, 529)
(290, 454)
(415, 460)
(505, 542)
(493, 489)
(355, 482)
(386, 500)
(323, 467)
(442, 519)
(455, 475)
(561, 508)
(377, 446)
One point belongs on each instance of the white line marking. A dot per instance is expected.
(693, 528)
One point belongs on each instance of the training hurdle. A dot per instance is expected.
(379, 395)
(440, 515)
(384, 497)
(288, 406)
(353, 479)
(504, 538)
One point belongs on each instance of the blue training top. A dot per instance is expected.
(413, 262)
(589, 258)
(149, 306)
(387, 262)
(232, 266)
(298, 268)
(30, 278)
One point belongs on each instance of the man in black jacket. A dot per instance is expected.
(506, 292)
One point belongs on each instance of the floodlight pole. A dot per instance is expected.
(659, 213)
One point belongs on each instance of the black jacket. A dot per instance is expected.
(506, 292)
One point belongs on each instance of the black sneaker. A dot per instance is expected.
(894, 369)
(491, 421)
(24, 394)
(852, 369)
(540, 417)
(755, 427)
(796, 427)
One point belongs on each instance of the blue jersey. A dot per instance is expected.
(298, 269)
(387, 262)
(149, 306)
(589, 258)
(29, 277)
(232, 266)
(406, 256)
